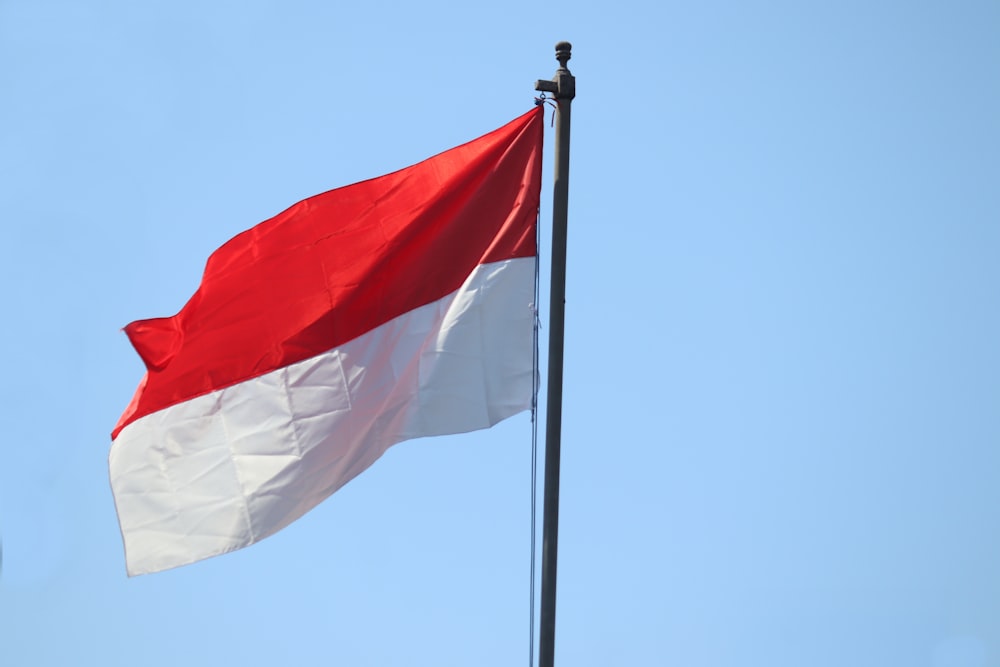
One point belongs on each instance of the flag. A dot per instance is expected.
(395, 308)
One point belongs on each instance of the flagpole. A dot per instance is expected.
(563, 86)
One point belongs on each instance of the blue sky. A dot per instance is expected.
(781, 435)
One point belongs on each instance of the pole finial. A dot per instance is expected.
(563, 53)
(563, 84)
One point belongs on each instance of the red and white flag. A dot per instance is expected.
(395, 308)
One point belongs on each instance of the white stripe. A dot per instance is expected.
(224, 470)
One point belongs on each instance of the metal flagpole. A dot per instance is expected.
(563, 86)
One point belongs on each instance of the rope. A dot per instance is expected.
(541, 100)
(536, 379)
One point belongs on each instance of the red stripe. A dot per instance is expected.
(339, 264)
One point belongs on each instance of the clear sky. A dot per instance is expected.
(782, 410)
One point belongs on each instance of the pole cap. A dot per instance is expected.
(563, 53)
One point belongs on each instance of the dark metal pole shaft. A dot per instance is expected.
(563, 85)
